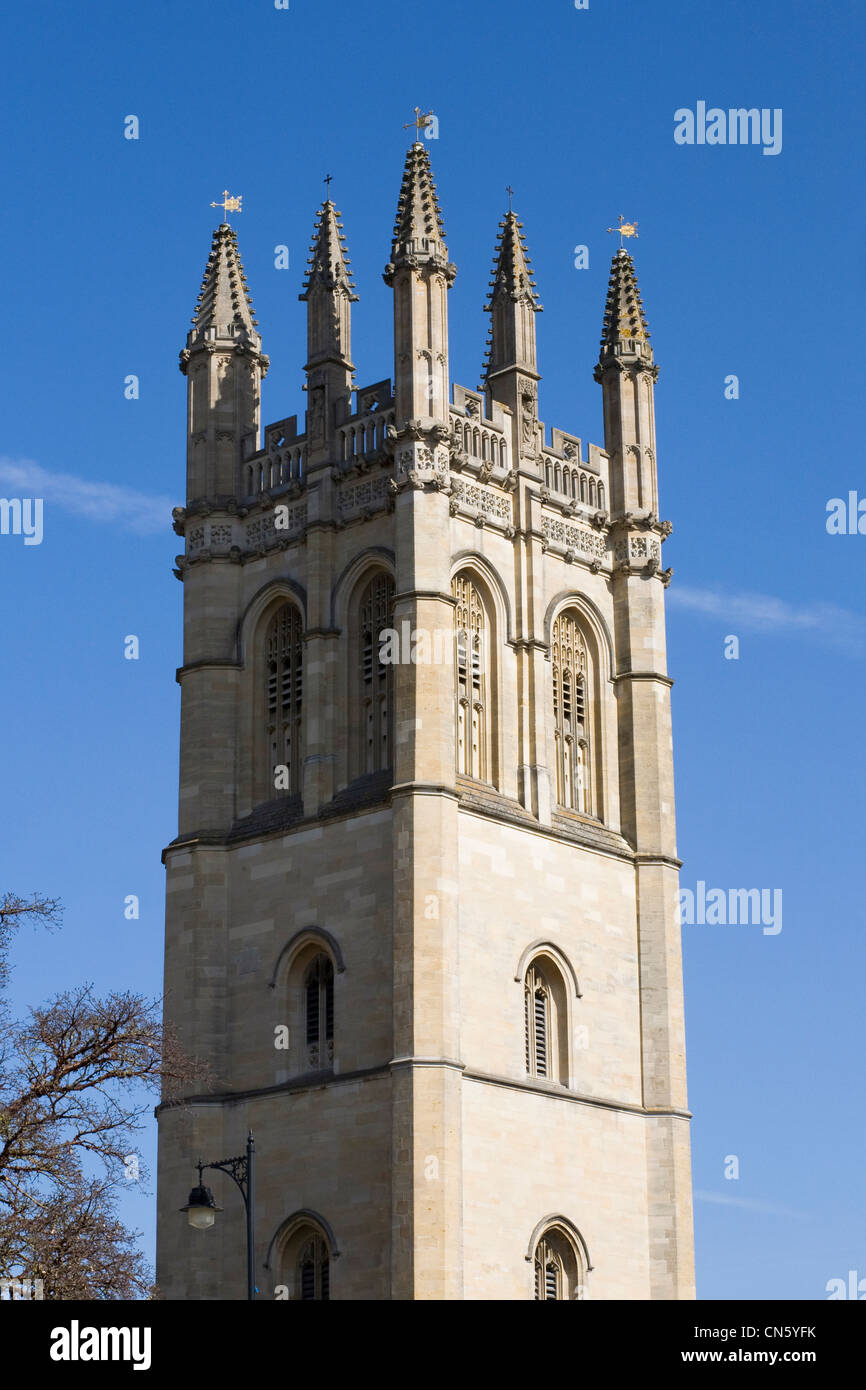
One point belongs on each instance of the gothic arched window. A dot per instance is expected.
(319, 1012)
(545, 1020)
(375, 677)
(557, 1269)
(313, 1272)
(537, 1011)
(571, 715)
(303, 1262)
(473, 681)
(283, 699)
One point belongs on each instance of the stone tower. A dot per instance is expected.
(422, 906)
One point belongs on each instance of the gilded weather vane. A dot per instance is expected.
(421, 121)
(229, 204)
(624, 229)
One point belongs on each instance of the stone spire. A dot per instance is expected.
(420, 274)
(224, 366)
(624, 331)
(510, 364)
(224, 308)
(627, 374)
(328, 294)
(418, 231)
(328, 264)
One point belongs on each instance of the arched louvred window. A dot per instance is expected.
(319, 1012)
(473, 694)
(571, 715)
(376, 678)
(284, 699)
(313, 1271)
(549, 1279)
(537, 1018)
(558, 1269)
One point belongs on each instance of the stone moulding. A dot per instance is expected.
(483, 505)
(558, 534)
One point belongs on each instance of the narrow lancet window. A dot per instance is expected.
(375, 677)
(473, 753)
(571, 715)
(284, 699)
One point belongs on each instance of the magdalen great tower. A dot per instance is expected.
(422, 904)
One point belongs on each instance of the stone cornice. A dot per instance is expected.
(644, 676)
(209, 664)
(556, 1092)
(321, 1080)
(663, 860)
(575, 835)
(426, 594)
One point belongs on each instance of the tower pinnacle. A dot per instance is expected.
(624, 330)
(627, 374)
(420, 274)
(224, 308)
(419, 237)
(510, 371)
(224, 365)
(512, 301)
(327, 263)
(328, 294)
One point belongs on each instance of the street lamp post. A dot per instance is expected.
(201, 1209)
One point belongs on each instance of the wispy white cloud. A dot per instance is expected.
(101, 502)
(766, 613)
(755, 1204)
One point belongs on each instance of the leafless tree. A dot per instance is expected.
(72, 1076)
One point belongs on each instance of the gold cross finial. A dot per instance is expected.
(624, 229)
(229, 204)
(421, 120)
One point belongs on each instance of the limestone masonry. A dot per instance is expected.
(422, 914)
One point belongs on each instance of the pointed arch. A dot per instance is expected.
(548, 1016)
(542, 947)
(300, 1254)
(559, 1260)
(346, 584)
(304, 1002)
(316, 936)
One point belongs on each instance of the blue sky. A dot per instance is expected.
(749, 265)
